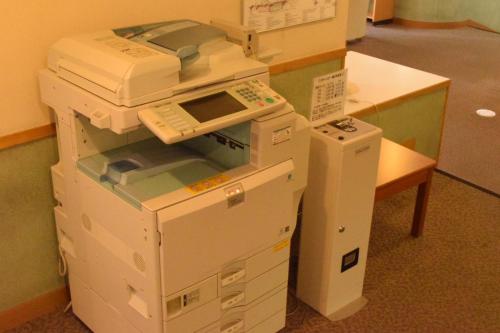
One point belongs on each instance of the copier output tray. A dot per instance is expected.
(147, 169)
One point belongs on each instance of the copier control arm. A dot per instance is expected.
(177, 121)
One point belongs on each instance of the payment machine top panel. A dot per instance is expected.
(346, 130)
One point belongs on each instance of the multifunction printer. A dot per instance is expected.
(179, 177)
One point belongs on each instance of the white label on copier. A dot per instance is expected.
(128, 48)
(207, 183)
(139, 52)
(282, 135)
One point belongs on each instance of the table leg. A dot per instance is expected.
(424, 188)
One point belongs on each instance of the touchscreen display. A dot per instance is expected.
(212, 106)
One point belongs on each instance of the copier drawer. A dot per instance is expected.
(265, 315)
(214, 312)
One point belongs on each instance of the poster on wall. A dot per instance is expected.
(265, 15)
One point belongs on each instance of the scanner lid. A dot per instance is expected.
(141, 64)
(181, 38)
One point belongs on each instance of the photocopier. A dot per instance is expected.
(178, 183)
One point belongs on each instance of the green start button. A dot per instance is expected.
(269, 100)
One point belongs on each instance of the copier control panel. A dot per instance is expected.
(180, 120)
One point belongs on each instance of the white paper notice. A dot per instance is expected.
(328, 97)
(264, 15)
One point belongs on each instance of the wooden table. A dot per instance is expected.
(381, 83)
(401, 168)
(407, 103)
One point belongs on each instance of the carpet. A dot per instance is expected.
(445, 281)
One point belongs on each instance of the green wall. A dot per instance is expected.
(419, 118)
(296, 85)
(485, 12)
(28, 251)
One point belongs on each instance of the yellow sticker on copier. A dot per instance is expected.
(207, 183)
(282, 245)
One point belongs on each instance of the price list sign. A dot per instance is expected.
(328, 97)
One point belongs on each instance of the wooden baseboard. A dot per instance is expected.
(383, 22)
(33, 134)
(477, 25)
(34, 308)
(429, 25)
(441, 25)
(307, 61)
(39, 306)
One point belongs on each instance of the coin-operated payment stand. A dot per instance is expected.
(338, 204)
(178, 183)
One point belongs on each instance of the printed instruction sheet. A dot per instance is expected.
(265, 15)
(328, 96)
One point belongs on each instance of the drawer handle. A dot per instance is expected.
(232, 277)
(232, 300)
(233, 327)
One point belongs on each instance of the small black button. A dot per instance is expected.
(341, 137)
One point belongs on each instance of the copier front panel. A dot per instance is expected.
(210, 229)
(211, 238)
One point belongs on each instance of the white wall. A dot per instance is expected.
(29, 27)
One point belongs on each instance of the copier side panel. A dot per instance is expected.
(94, 311)
(316, 233)
(103, 238)
(353, 213)
(121, 245)
(282, 135)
